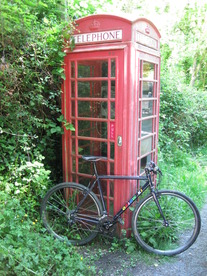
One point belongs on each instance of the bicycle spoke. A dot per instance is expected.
(182, 218)
(67, 222)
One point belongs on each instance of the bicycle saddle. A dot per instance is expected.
(92, 158)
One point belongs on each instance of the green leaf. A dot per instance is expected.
(69, 126)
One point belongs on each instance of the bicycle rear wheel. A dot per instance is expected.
(61, 217)
(182, 216)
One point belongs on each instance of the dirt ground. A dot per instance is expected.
(192, 262)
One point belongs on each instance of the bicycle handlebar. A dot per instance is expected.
(152, 168)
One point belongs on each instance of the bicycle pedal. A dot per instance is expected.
(120, 220)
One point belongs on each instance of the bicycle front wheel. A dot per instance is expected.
(62, 218)
(182, 216)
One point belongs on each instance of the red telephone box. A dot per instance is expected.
(111, 96)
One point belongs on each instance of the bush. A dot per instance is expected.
(30, 82)
(183, 118)
(26, 183)
(26, 250)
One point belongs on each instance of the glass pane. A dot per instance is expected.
(146, 127)
(93, 89)
(92, 129)
(92, 68)
(113, 89)
(73, 108)
(147, 108)
(85, 70)
(84, 167)
(84, 180)
(73, 123)
(148, 70)
(104, 187)
(111, 168)
(72, 69)
(74, 178)
(146, 145)
(147, 89)
(113, 68)
(111, 208)
(112, 110)
(73, 146)
(144, 161)
(112, 151)
(92, 109)
(104, 69)
(72, 89)
(73, 164)
(111, 188)
(84, 147)
(87, 147)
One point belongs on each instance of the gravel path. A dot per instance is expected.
(192, 262)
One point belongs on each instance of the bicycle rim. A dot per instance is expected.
(182, 216)
(61, 217)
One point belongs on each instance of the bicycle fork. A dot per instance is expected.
(165, 222)
(154, 194)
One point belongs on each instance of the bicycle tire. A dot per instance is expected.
(180, 212)
(61, 220)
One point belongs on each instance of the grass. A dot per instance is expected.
(188, 175)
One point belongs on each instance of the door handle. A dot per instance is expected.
(119, 141)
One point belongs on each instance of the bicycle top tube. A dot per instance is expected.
(94, 159)
(122, 177)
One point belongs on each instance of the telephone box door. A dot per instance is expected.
(94, 106)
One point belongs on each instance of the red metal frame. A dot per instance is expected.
(129, 137)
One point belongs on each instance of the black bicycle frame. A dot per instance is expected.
(115, 177)
(148, 183)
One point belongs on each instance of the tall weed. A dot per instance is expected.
(187, 173)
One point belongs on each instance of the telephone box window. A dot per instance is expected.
(73, 108)
(92, 129)
(93, 89)
(146, 127)
(144, 161)
(147, 108)
(72, 69)
(112, 151)
(112, 110)
(72, 89)
(113, 89)
(147, 89)
(92, 109)
(146, 145)
(92, 68)
(113, 68)
(148, 70)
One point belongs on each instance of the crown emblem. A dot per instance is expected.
(147, 30)
(95, 25)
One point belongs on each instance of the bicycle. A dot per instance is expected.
(164, 222)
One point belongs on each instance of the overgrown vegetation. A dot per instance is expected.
(32, 36)
(26, 250)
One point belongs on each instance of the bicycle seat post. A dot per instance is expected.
(95, 169)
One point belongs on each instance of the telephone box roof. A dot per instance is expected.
(110, 19)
